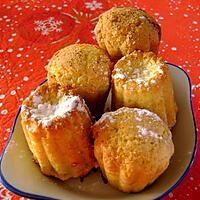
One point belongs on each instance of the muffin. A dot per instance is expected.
(57, 129)
(133, 147)
(84, 69)
(121, 30)
(142, 80)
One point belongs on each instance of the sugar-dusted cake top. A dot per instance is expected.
(139, 114)
(44, 110)
(140, 68)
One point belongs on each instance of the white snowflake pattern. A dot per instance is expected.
(93, 5)
(47, 26)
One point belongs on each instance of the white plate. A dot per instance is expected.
(22, 176)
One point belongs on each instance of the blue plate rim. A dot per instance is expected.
(35, 196)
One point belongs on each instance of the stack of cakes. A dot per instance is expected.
(132, 145)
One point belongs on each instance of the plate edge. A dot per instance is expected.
(195, 134)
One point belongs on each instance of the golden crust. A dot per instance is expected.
(121, 30)
(63, 147)
(133, 147)
(141, 79)
(85, 69)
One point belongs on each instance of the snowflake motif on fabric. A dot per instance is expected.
(93, 5)
(47, 26)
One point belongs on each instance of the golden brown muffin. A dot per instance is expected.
(142, 80)
(133, 147)
(85, 69)
(57, 129)
(121, 30)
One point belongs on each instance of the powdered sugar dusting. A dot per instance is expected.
(143, 75)
(45, 112)
(123, 110)
(140, 113)
(144, 112)
(36, 100)
(153, 81)
(80, 107)
(143, 131)
(142, 17)
(106, 117)
(119, 76)
(138, 118)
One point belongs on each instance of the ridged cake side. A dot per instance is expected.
(58, 132)
(142, 80)
(133, 147)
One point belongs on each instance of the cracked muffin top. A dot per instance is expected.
(122, 30)
(80, 65)
(85, 70)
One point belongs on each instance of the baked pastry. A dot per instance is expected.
(133, 147)
(142, 80)
(121, 30)
(85, 69)
(57, 129)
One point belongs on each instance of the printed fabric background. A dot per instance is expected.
(32, 30)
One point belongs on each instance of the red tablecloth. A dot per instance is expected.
(32, 30)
